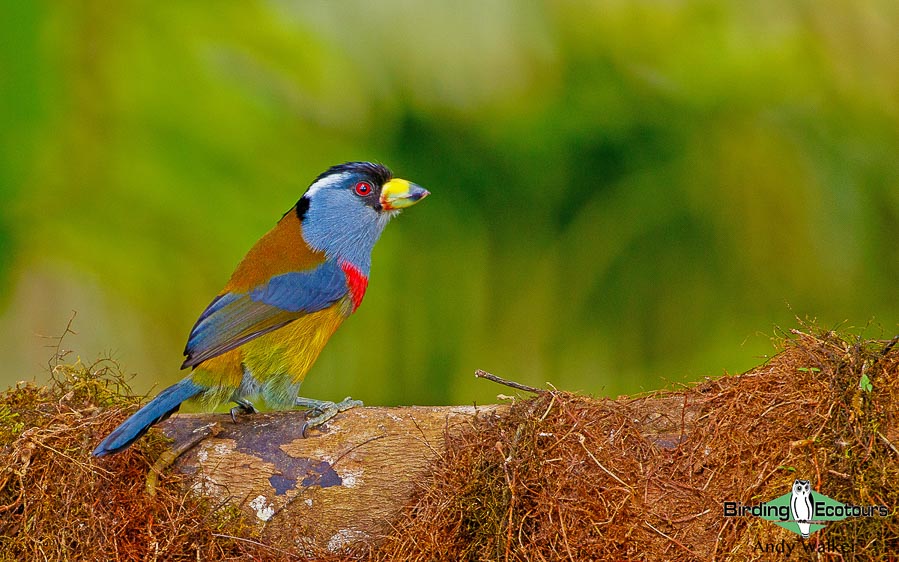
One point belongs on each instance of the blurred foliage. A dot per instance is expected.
(624, 193)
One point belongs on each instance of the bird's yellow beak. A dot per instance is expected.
(399, 194)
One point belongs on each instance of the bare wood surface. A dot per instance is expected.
(336, 487)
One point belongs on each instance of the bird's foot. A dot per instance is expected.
(243, 407)
(323, 410)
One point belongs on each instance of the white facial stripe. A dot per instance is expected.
(326, 182)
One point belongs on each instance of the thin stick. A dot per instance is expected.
(58, 351)
(887, 441)
(257, 543)
(672, 539)
(689, 517)
(889, 346)
(583, 440)
(481, 374)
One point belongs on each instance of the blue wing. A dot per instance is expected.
(233, 319)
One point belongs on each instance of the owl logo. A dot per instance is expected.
(801, 505)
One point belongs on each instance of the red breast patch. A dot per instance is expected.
(356, 281)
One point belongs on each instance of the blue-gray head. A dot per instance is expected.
(346, 208)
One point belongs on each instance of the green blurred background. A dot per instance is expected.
(625, 194)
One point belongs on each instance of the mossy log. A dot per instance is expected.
(346, 484)
(553, 477)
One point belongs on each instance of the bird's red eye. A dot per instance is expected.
(363, 188)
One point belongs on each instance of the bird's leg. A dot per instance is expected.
(244, 406)
(323, 410)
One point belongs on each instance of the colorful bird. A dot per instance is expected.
(295, 287)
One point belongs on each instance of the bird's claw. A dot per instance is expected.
(323, 410)
(243, 407)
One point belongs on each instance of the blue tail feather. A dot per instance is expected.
(165, 404)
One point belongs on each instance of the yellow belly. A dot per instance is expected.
(290, 351)
(272, 365)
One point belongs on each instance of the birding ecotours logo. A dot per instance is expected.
(803, 511)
